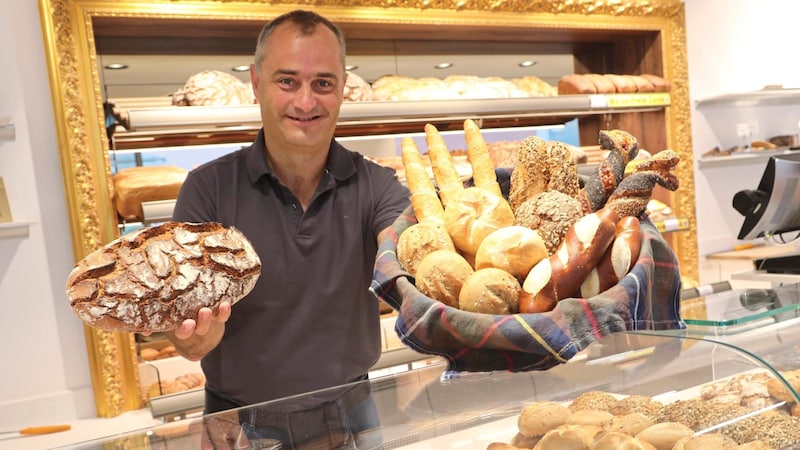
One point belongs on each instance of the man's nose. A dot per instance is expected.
(305, 98)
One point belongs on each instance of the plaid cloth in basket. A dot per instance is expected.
(646, 299)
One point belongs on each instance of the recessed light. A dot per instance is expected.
(116, 66)
(242, 68)
(445, 65)
(527, 63)
(351, 67)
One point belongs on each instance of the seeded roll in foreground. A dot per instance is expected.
(155, 278)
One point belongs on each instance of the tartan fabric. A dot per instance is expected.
(646, 299)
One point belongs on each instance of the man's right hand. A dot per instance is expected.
(193, 339)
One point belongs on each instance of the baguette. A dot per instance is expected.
(444, 170)
(483, 174)
(424, 199)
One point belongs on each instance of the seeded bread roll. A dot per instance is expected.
(490, 291)
(441, 274)
(155, 278)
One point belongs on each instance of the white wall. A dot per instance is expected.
(44, 376)
(736, 46)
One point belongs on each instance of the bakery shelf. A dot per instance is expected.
(15, 230)
(763, 97)
(741, 159)
(148, 126)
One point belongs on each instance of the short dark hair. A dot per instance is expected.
(307, 21)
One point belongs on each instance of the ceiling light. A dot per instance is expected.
(116, 66)
(351, 67)
(445, 65)
(527, 63)
(242, 68)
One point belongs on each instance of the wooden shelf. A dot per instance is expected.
(15, 230)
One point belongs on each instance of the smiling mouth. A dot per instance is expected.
(304, 119)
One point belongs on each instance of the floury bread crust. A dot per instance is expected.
(153, 279)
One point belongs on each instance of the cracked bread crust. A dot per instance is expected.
(155, 278)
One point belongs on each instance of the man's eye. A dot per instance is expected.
(286, 81)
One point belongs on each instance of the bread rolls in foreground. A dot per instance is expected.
(153, 279)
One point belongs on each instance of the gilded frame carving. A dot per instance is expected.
(77, 103)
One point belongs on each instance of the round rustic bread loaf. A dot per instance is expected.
(155, 278)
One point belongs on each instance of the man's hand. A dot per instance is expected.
(205, 319)
(193, 339)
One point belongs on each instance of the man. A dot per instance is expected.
(314, 212)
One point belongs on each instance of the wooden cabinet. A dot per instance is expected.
(605, 36)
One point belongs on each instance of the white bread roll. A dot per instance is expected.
(514, 249)
(490, 291)
(155, 278)
(569, 437)
(474, 213)
(590, 417)
(615, 440)
(418, 241)
(441, 274)
(538, 418)
(664, 435)
(709, 441)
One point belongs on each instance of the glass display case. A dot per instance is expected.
(739, 385)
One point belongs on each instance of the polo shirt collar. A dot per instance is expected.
(340, 165)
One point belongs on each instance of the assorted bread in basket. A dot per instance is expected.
(522, 267)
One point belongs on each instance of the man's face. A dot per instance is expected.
(300, 87)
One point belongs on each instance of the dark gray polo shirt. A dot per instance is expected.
(310, 322)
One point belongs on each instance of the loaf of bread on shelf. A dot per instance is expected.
(135, 185)
(356, 89)
(155, 278)
(213, 88)
(593, 83)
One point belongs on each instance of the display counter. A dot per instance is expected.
(738, 385)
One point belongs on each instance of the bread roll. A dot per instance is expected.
(444, 171)
(590, 417)
(473, 214)
(597, 400)
(483, 174)
(155, 278)
(622, 84)
(631, 423)
(424, 199)
(643, 85)
(660, 84)
(615, 440)
(418, 241)
(514, 249)
(569, 437)
(135, 185)
(551, 214)
(664, 435)
(778, 389)
(709, 441)
(602, 84)
(575, 84)
(213, 88)
(148, 354)
(538, 418)
(441, 274)
(356, 89)
(490, 291)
